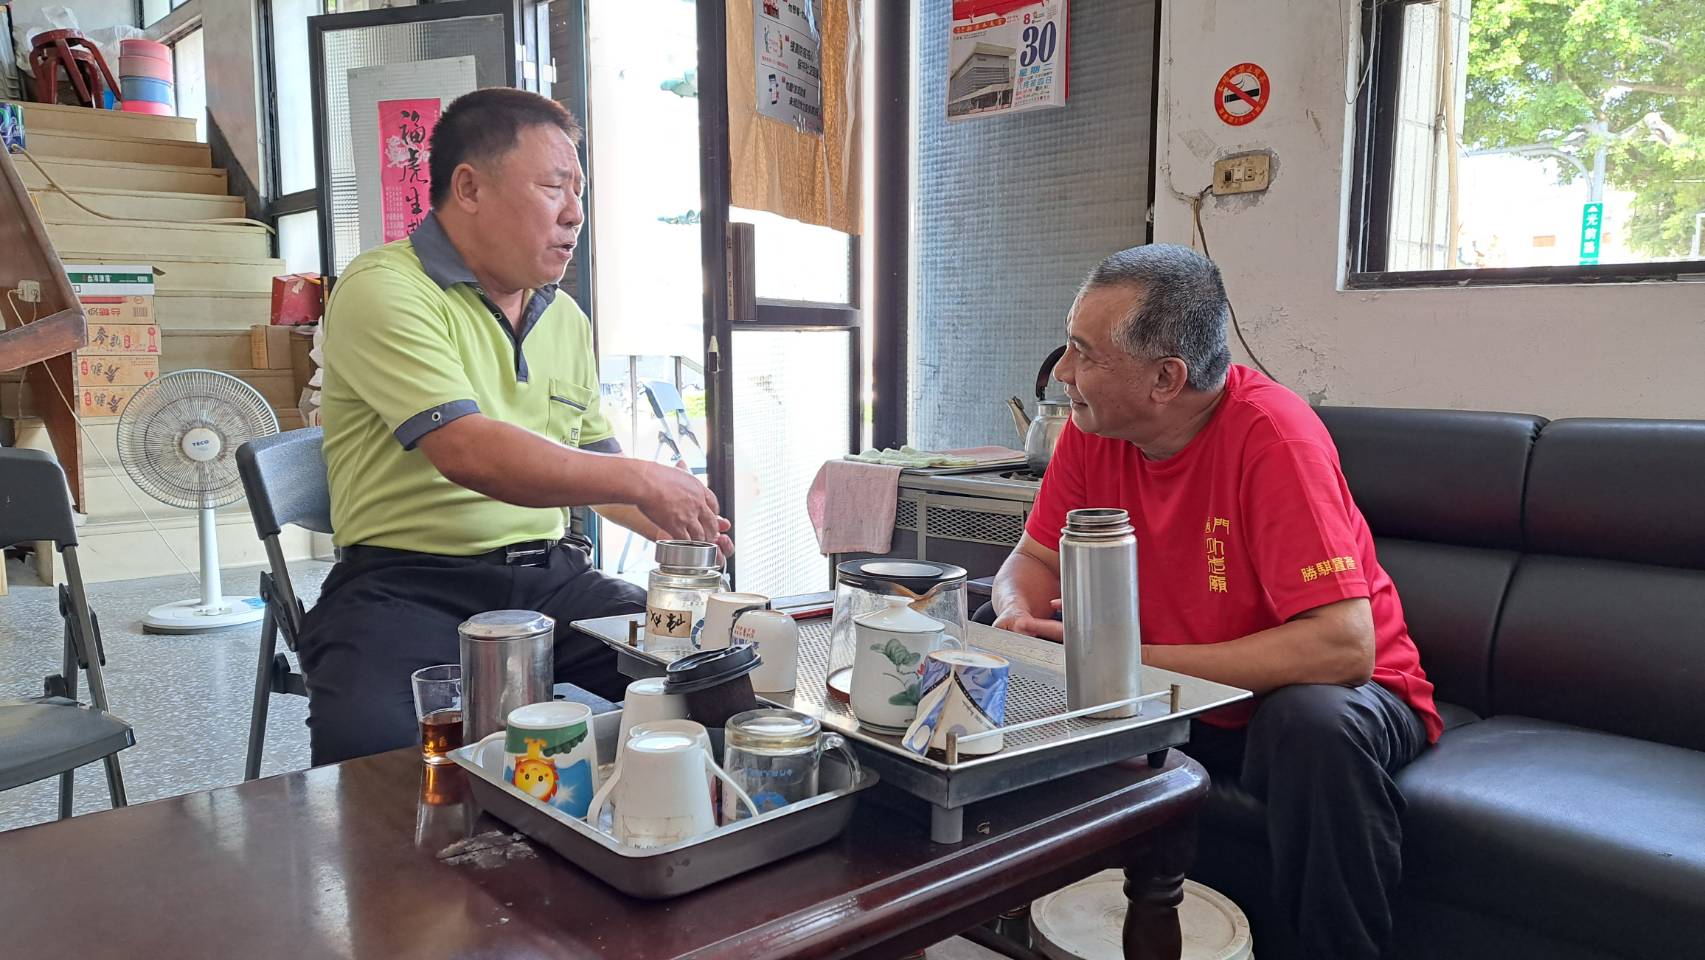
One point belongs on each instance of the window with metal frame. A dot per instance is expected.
(1529, 141)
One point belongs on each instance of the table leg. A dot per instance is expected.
(1154, 887)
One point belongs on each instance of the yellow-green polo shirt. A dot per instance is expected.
(412, 344)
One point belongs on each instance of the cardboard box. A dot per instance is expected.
(297, 299)
(110, 279)
(269, 347)
(119, 371)
(97, 402)
(122, 339)
(137, 309)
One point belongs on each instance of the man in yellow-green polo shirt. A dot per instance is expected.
(462, 419)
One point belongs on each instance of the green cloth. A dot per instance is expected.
(410, 347)
(911, 457)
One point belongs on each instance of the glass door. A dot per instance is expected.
(782, 341)
(752, 399)
(639, 272)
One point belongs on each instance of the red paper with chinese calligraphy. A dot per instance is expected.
(405, 182)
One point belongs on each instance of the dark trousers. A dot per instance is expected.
(380, 618)
(1321, 758)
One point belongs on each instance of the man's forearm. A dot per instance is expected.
(630, 517)
(1025, 585)
(508, 463)
(1333, 648)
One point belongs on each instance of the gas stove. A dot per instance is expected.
(972, 520)
(1004, 484)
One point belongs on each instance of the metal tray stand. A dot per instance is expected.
(1042, 740)
(656, 873)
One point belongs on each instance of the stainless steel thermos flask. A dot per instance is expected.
(1098, 591)
(506, 663)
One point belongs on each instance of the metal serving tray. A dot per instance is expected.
(660, 872)
(1043, 749)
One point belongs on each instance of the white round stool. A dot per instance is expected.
(1085, 921)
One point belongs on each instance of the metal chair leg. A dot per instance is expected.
(263, 684)
(65, 783)
(115, 781)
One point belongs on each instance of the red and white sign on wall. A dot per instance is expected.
(405, 181)
(1242, 94)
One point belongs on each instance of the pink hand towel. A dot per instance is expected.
(851, 506)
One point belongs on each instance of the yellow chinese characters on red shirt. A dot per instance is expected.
(1216, 552)
(1327, 568)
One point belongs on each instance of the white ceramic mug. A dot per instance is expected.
(686, 728)
(888, 665)
(644, 702)
(659, 793)
(721, 610)
(776, 637)
(547, 751)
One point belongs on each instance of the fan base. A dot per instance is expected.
(189, 616)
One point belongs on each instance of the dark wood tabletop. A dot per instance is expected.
(384, 857)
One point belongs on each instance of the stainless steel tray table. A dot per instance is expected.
(679, 868)
(1036, 691)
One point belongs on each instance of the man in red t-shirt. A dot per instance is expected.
(1255, 568)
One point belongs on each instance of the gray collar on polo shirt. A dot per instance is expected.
(444, 265)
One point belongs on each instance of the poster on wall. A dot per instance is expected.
(405, 179)
(1006, 55)
(788, 66)
(389, 107)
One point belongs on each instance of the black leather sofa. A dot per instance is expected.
(1553, 576)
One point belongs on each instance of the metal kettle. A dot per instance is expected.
(1040, 434)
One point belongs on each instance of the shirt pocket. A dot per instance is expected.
(569, 403)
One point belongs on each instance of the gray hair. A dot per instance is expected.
(1182, 311)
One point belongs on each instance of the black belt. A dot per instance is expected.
(530, 553)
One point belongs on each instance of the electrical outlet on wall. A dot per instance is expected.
(29, 291)
(1244, 173)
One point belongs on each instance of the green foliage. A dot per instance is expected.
(1552, 71)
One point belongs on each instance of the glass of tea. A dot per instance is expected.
(438, 707)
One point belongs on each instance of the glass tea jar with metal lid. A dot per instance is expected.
(878, 583)
(775, 756)
(687, 573)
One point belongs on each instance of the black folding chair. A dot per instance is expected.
(53, 733)
(284, 476)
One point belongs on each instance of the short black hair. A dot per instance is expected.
(486, 124)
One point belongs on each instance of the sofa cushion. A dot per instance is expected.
(1448, 476)
(1585, 835)
(1618, 490)
(1611, 646)
(1451, 598)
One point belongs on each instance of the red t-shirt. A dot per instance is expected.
(1246, 527)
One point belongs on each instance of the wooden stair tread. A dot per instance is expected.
(58, 117)
(123, 166)
(241, 229)
(121, 192)
(90, 145)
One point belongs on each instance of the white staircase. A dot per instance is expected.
(215, 282)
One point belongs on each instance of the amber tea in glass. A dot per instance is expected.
(438, 707)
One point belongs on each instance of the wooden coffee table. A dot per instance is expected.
(378, 858)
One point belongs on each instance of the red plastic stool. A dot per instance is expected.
(81, 60)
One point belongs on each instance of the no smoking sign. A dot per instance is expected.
(1242, 94)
